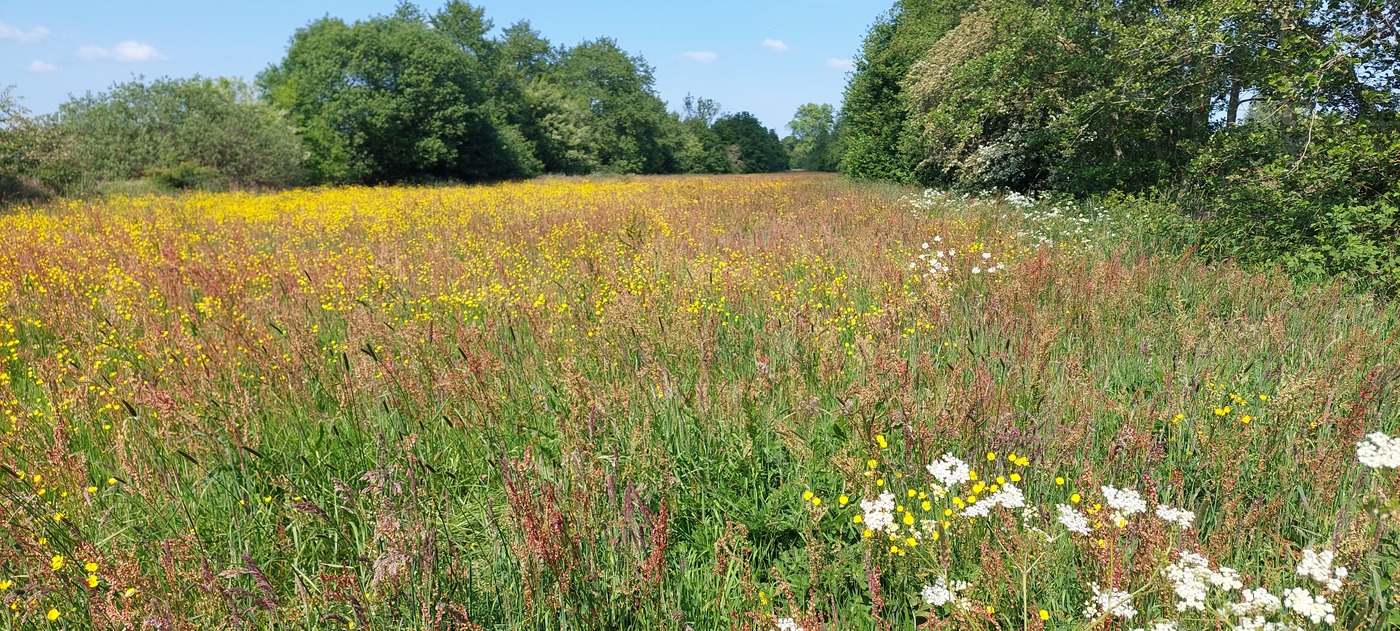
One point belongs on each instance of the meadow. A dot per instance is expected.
(752, 402)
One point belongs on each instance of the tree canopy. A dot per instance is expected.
(749, 146)
(1276, 121)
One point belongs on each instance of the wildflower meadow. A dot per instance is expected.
(726, 402)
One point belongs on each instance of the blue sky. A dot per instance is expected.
(763, 56)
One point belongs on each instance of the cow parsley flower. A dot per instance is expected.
(788, 624)
(1179, 516)
(949, 470)
(1166, 625)
(1114, 602)
(942, 591)
(879, 514)
(1126, 502)
(1189, 576)
(1379, 451)
(1315, 608)
(1318, 567)
(1073, 520)
(1008, 496)
(1255, 602)
(1227, 579)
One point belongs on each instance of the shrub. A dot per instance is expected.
(1316, 199)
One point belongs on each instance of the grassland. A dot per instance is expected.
(659, 403)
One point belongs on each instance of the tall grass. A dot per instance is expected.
(577, 404)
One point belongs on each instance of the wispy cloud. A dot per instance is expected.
(41, 66)
(702, 56)
(33, 35)
(776, 44)
(840, 64)
(129, 50)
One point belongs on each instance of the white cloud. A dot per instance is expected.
(41, 66)
(840, 64)
(776, 44)
(702, 56)
(25, 37)
(124, 51)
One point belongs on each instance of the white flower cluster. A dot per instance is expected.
(1379, 451)
(1008, 496)
(1256, 601)
(1114, 602)
(1020, 200)
(942, 591)
(1073, 520)
(1166, 625)
(1179, 516)
(1258, 623)
(788, 624)
(1257, 605)
(879, 514)
(1314, 608)
(949, 470)
(1318, 567)
(1124, 502)
(1192, 578)
(939, 263)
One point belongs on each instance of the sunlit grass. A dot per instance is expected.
(652, 403)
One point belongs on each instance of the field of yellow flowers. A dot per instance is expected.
(754, 402)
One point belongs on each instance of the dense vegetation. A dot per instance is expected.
(409, 96)
(1275, 122)
(675, 403)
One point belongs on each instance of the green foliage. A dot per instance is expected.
(33, 153)
(217, 124)
(1318, 199)
(184, 176)
(875, 134)
(1250, 112)
(749, 147)
(701, 150)
(393, 98)
(628, 128)
(813, 138)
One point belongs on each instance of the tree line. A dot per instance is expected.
(411, 96)
(1273, 121)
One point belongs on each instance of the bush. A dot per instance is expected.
(1316, 199)
(138, 128)
(33, 154)
(184, 176)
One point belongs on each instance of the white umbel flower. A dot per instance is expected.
(1008, 496)
(1166, 625)
(1073, 520)
(1179, 516)
(1125, 501)
(1114, 602)
(942, 591)
(1379, 451)
(879, 514)
(949, 470)
(1315, 608)
(1255, 602)
(788, 624)
(1189, 576)
(1318, 567)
